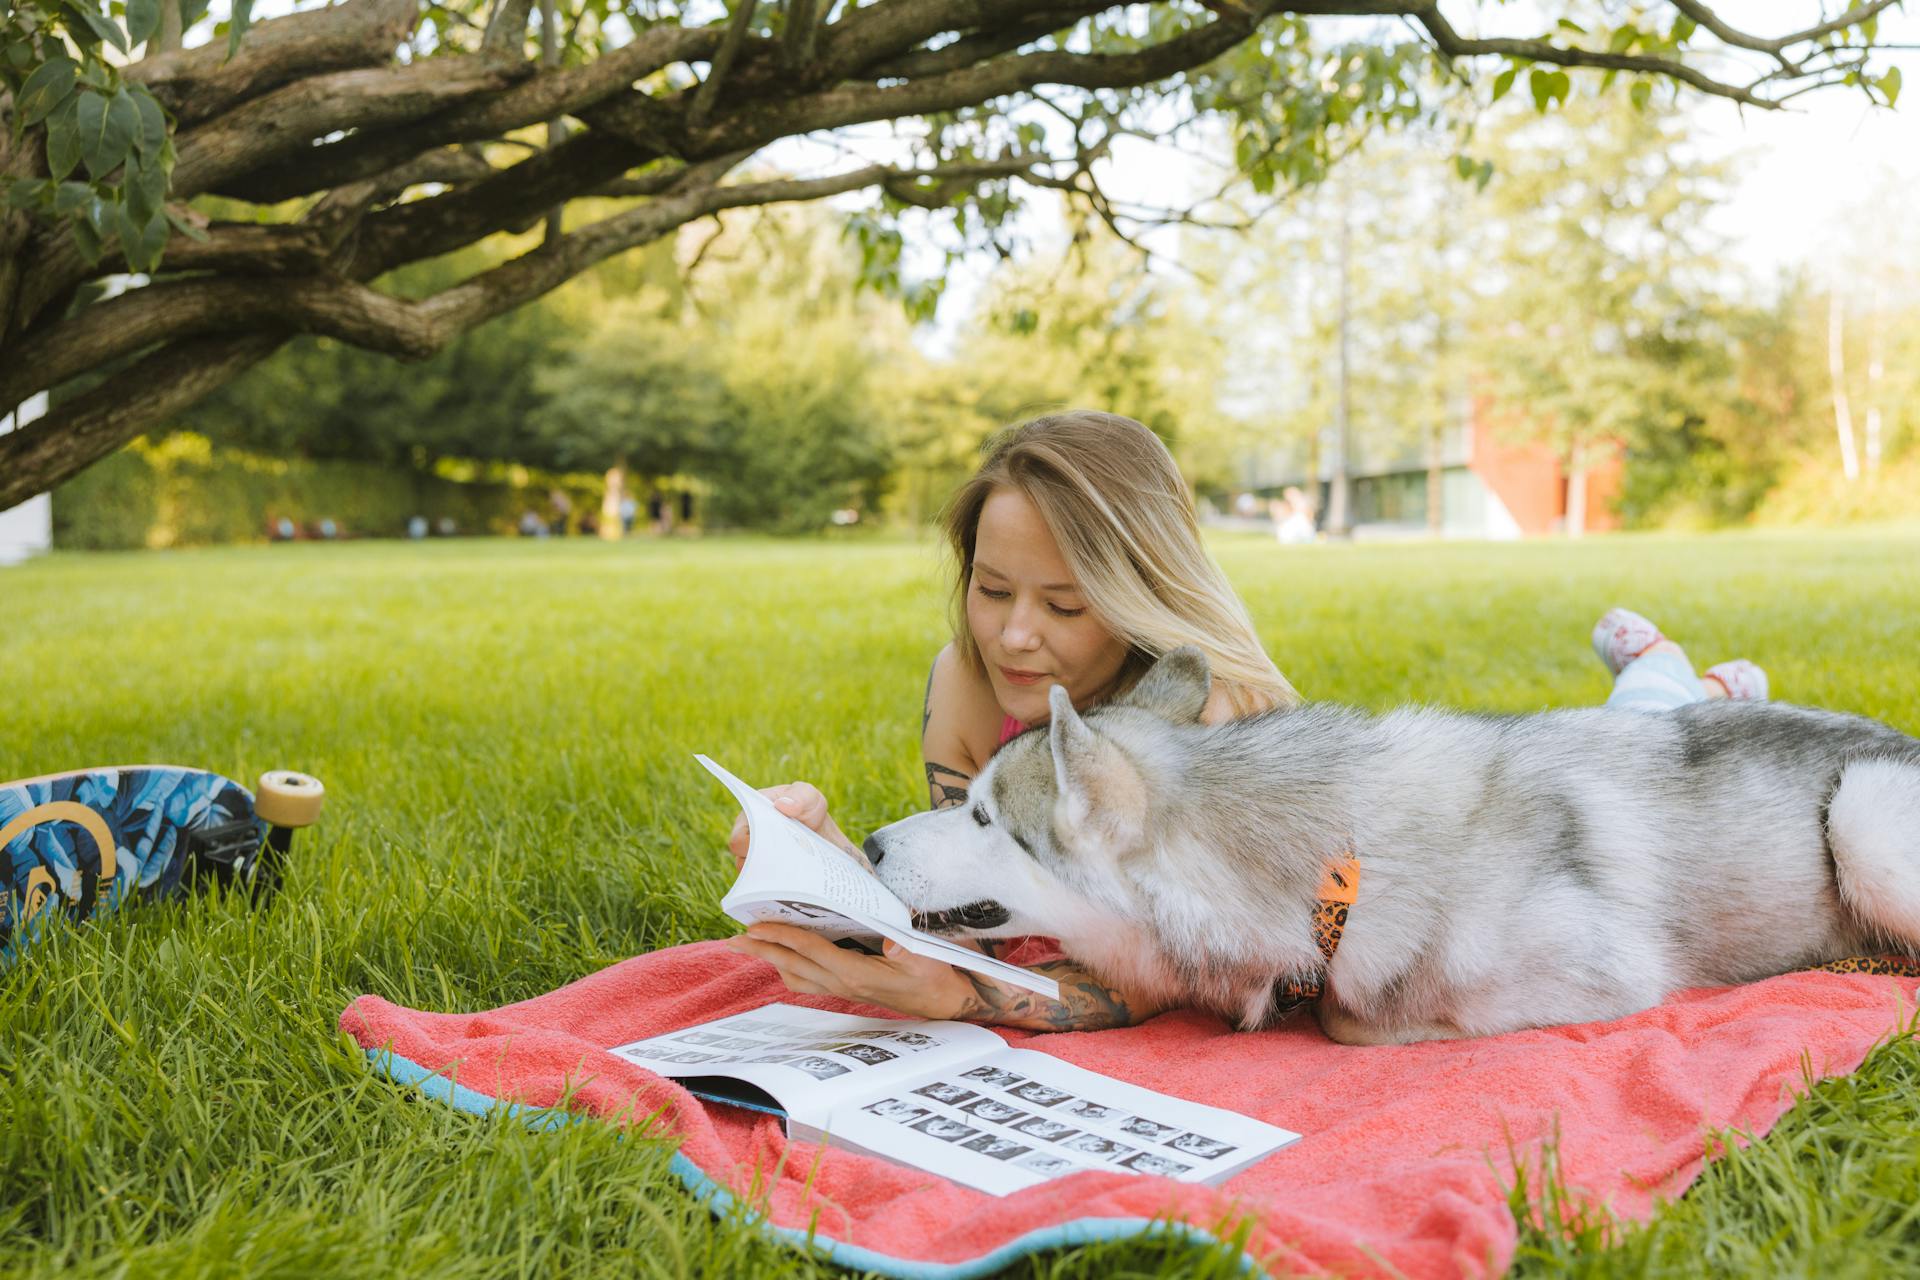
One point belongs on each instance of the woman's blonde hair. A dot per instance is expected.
(1117, 506)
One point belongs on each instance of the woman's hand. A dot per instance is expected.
(803, 802)
(923, 988)
(898, 980)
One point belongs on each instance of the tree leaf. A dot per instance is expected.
(144, 187)
(237, 22)
(187, 229)
(1641, 91)
(27, 193)
(1504, 82)
(1537, 85)
(63, 138)
(1890, 85)
(143, 19)
(107, 130)
(87, 239)
(142, 240)
(153, 123)
(191, 11)
(100, 216)
(104, 28)
(46, 88)
(71, 197)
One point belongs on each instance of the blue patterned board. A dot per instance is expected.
(51, 859)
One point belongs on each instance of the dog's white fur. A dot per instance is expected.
(1516, 871)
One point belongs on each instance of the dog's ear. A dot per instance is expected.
(1174, 688)
(1098, 792)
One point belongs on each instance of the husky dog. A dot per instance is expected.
(1515, 871)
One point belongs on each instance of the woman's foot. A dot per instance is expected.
(1739, 680)
(1622, 635)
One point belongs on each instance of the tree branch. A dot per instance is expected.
(285, 122)
(353, 312)
(199, 83)
(1453, 45)
(506, 33)
(722, 63)
(1712, 21)
(763, 122)
(81, 431)
(539, 98)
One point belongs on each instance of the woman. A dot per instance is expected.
(1079, 561)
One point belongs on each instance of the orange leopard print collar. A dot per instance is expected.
(1338, 888)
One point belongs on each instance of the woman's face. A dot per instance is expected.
(1028, 618)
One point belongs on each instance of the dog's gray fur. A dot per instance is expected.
(1516, 871)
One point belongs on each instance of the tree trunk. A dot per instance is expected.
(168, 35)
(1876, 371)
(611, 524)
(1339, 508)
(556, 126)
(1436, 477)
(1837, 370)
(1576, 523)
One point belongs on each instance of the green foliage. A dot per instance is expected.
(94, 120)
(182, 491)
(1603, 319)
(322, 398)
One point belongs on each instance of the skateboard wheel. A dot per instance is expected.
(289, 799)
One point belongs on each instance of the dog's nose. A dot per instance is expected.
(871, 847)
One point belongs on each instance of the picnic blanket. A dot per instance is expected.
(1407, 1157)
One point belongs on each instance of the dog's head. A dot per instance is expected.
(1034, 848)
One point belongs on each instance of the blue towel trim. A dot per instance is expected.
(721, 1201)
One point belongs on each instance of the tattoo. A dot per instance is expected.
(945, 795)
(1085, 1004)
(926, 704)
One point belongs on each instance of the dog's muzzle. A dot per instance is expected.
(985, 914)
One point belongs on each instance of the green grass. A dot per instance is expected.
(505, 731)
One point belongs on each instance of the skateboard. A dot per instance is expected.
(97, 839)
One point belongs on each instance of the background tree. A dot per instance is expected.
(377, 133)
(1598, 270)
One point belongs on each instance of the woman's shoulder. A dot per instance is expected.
(962, 718)
(1219, 708)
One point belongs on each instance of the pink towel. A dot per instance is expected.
(1404, 1161)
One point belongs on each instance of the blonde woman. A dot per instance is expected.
(1078, 562)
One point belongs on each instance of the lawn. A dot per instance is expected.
(506, 728)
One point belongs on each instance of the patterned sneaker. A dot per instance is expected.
(1743, 681)
(1622, 635)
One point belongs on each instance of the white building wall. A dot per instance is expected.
(27, 529)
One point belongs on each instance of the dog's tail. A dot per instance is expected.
(1873, 827)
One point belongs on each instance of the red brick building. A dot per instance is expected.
(1492, 487)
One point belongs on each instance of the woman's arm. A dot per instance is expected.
(923, 988)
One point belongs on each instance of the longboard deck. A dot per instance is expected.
(95, 839)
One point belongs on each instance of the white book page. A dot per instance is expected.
(793, 875)
(1019, 1118)
(810, 1059)
(787, 859)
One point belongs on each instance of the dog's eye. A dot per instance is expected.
(980, 816)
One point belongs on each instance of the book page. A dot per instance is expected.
(1019, 1118)
(788, 861)
(810, 1059)
(794, 876)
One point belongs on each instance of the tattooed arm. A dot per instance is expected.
(953, 706)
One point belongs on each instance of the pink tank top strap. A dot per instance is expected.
(1010, 729)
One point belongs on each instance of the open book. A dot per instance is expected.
(793, 875)
(950, 1098)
